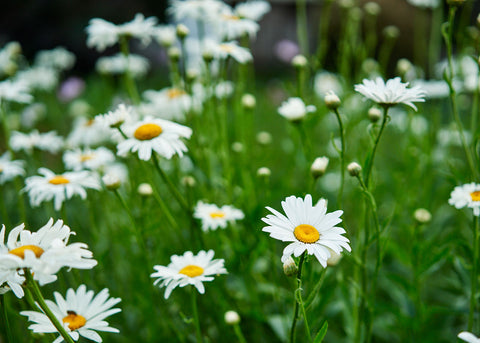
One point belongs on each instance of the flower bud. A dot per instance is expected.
(354, 169)
(332, 100)
(404, 66)
(191, 74)
(145, 190)
(237, 147)
(111, 181)
(334, 258)
(319, 166)
(289, 267)
(263, 172)
(372, 8)
(264, 138)
(232, 318)
(422, 216)
(182, 31)
(299, 61)
(374, 114)
(391, 32)
(248, 101)
(174, 53)
(207, 56)
(189, 181)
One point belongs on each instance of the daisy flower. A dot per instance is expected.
(165, 35)
(466, 195)
(294, 109)
(81, 312)
(228, 49)
(119, 64)
(204, 10)
(114, 119)
(154, 135)
(309, 228)
(232, 26)
(253, 10)
(87, 132)
(47, 141)
(59, 187)
(391, 93)
(213, 217)
(91, 159)
(58, 58)
(38, 78)
(44, 252)
(188, 269)
(16, 91)
(468, 337)
(10, 169)
(170, 103)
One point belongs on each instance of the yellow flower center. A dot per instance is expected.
(191, 270)
(74, 320)
(146, 132)
(86, 157)
(89, 122)
(58, 180)
(227, 48)
(306, 233)
(231, 17)
(475, 196)
(173, 93)
(20, 251)
(216, 215)
(1, 169)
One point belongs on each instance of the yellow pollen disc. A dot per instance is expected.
(89, 122)
(227, 48)
(20, 251)
(146, 132)
(306, 233)
(173, 93)
(58, 180)
(87, 157)
(231, 17)
(191, 270)
(74, 320)
(218, 214)
(475, 196)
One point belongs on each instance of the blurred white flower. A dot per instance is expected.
(231, 26)
(115, 118)
(169, 103)
(38, 78)
(16, 91)
(228, 49)
(202, 10)
(90, 159)
(253, 10)
(165, 35)
(467, 195)
(468, 337)
(294, 109)
(119, 64)
(58, 58)
(325, 82)
(48, 141)
(10, 169)
(87, 132)
(213, 217)
(424, 3)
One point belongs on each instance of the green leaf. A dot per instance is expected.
(321, 334)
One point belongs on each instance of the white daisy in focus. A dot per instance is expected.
(213, 217)
(43, 252)
(393, 92)
(310, 229)
(253, 10)
(59, 187)
(228, 49)
(467, 195)
(154, 135)
(10, 169)
(294, 109)
(188, 269)
(81, 312)
(169, 103)
(46, 141)
(90, 159)
(468, 337)
(119, 64)
(16, 91)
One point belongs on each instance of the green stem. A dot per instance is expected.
(474, 276)
(239, 334)
(370, 159)
(302, 27)
(37, 295)
(196, 320)
(342, 158)
(4, 304)
(323, 42)
(6, 129)
(128, 79)
(299, 302)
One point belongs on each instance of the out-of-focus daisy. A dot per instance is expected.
(213, 217)
(467, 195)
(165, 35)
(9, 55)
(38, 78)
(204, 10)
(232, 26)
(393, 92)
(169, 103)
(47, 141)
(119, 64)
(87, 132)
(434, 89)
(294, 109)
(43, 252)
(81, 312)
(114, 119)
(326, 82)
(228, 49)
(32, 114)
(424, 3)
(10, 169)
(91, 159)
(253, 10)
(102, 34)
(16, 91)
(468, 337)
(58, 58)
(309, 228)
(154, 135)
(188, 269)
(59, 187)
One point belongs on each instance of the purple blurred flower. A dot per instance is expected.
(71, 88)
(286, 49)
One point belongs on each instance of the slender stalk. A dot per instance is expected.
(323, 42)
(371, 157)
(239, 334)
(299, 302)
(302, 26)
(128, 79)
(342, 157)
(37, 295)
(474, 276)
(4, 304)
(196, 320)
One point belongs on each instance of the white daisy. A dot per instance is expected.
(59, 187)
(467, 195)
(294, 109)
(119, 64)
(43, 252)
(9, 56)
(228, 49)
(424, 3)
(188, 269)
(10, 169)
(231, 26)
(213, 217)
(81, 313)
(253, 10)
(169, 103)
(91, 159)
(114, 119)
(87, 132)
(38, 78)
(468, 337)
(390, 93)
(204, 10)
(47, 141)
(16, 91)
(154, 134)
(165, 35)
(309, 228)
(58, 58)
